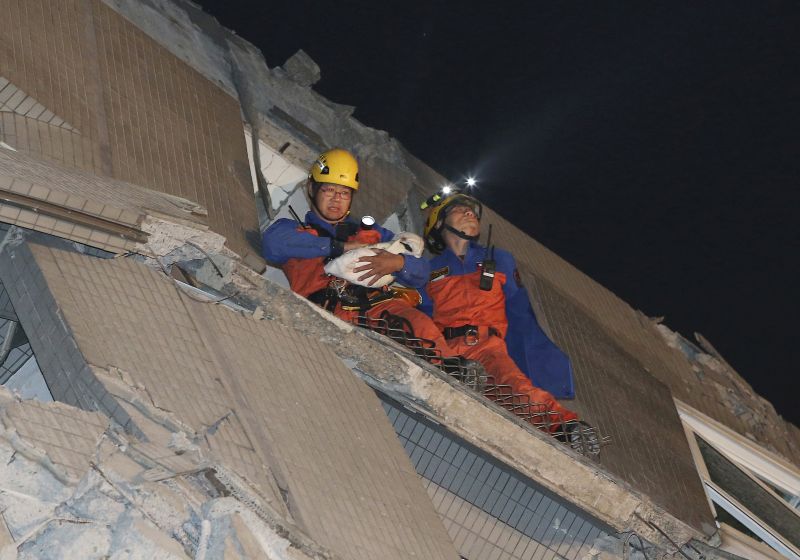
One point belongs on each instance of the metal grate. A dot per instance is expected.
(579, 436)
(489, 509)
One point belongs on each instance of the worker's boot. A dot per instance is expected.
(581, 436)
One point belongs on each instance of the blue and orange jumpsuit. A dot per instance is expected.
(301, 252)
(454, 299)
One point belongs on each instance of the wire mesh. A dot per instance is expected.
(580, 436)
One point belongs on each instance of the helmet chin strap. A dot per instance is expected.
(461, 234)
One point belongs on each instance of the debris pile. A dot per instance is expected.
(74, 485)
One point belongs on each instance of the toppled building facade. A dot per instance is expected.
(204, 410)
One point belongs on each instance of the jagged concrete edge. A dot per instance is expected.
(444, 400)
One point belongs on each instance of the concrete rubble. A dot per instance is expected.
(302, 69)
(755, 413)
(68, 491)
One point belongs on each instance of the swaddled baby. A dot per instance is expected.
(403, 243)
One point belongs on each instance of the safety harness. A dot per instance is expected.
(471, 333)
(353, 297)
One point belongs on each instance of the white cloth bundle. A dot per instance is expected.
(403, 243)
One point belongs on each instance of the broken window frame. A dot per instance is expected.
(6, 373)
(15, 359)
(760, 466)
(769, 470)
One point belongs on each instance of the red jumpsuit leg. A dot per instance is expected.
(492, 353)
(423, 326)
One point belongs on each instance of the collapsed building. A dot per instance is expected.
(167, 396)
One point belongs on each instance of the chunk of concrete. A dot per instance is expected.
(302, 69)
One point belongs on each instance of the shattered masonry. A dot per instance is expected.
(85, 489)
(122, 323)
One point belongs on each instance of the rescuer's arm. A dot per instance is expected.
(285, 239)
(407, 269)
(519, 310)
(508, 266)
(413, 272)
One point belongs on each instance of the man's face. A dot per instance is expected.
(464, 219)
(333, 202)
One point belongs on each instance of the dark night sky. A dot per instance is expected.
(654, 147)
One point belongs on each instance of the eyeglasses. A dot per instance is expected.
(331, 192)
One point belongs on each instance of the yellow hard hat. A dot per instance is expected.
(336, 166)
(437, 206)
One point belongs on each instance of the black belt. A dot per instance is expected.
(467, 331)
(353, 297)
(325, 298)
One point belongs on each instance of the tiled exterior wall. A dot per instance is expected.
(490, 510)
(613, 391)
(113, 315)
(73, 204)
(139, 114)
(339, 455)
(69, 435)
(44, 52)
(73, 189)
(15, 100)
(278, 407)
(638, 337)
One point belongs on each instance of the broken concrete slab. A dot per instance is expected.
(105, 511)
(70, 435)
(302, 69)
(480, 423)
(228, 382)
(83, 207)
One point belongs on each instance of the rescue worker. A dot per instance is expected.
(302, 249)
(475, 294)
